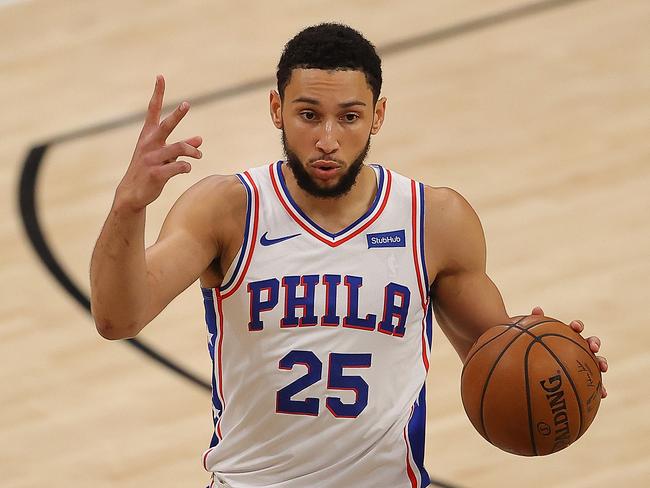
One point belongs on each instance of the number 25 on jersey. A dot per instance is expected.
(336, 380)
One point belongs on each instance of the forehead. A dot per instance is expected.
(337, 85)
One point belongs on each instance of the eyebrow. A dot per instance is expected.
(313, 101)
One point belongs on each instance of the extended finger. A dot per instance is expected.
(170, 122)
(172, 169)
(195, 141)
(176, 150)
(155, 104)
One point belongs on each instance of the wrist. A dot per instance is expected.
(123, 204)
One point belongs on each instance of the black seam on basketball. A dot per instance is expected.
(517, 322)
(588, 351)
(575, 391)
(551, 334)
(596, 365)
(550, 321)
(467, 360)
(568, 376)
(528, 401)
(532, 326)
(509, 326)
(496, 361)
(487, 382)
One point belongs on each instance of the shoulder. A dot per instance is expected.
(220, 194)
(447, 206)
(212, 205)
(217, 188)
(453, 231)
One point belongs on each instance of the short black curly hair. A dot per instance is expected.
(330, 46)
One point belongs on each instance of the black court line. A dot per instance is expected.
(27, 197)
(35, 157)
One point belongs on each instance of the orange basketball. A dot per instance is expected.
(531, 388)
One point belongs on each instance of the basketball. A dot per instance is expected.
(531, 388)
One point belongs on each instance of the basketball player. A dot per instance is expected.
(320, 275)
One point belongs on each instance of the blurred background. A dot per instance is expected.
(537, 112)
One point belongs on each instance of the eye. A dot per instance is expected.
(308, 115)
(351, 117)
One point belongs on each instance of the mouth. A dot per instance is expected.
(325, 169)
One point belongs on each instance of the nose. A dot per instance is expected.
(327, 138)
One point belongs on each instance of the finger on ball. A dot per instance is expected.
(603, 364)
(577, 326)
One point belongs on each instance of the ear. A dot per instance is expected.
(378, 116)
(275, 107)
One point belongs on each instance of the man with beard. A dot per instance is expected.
(320, 277)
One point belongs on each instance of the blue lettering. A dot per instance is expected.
(394, 310)
(293, 302)
(264, 296)
(352, 319)
(331, 283)
(257, 305)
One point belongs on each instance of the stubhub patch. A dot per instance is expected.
(393, 238)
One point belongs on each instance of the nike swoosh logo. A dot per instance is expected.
(265, 241)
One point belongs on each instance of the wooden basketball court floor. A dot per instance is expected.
(538, 113)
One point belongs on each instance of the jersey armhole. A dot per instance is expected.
(417, 225)
(419, 261)
(237, 269)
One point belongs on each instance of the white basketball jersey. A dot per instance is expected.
(320, 344)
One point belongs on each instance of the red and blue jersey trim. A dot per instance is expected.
(414, 432)
(214, 321)
(414, 437)
(212, 299)
(250, 237)
(354, 229)
(419, 261)
(425, 276)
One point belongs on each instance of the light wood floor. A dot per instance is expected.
(542, 121)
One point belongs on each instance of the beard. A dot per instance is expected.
(308, 184)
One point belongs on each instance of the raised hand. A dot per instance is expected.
(154, 161)
(593, 341)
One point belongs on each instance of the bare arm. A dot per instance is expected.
(466, 301)
(128, 285)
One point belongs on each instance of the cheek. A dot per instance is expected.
(299, 139)
(359, 135)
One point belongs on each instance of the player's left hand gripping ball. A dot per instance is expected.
(593, 341)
